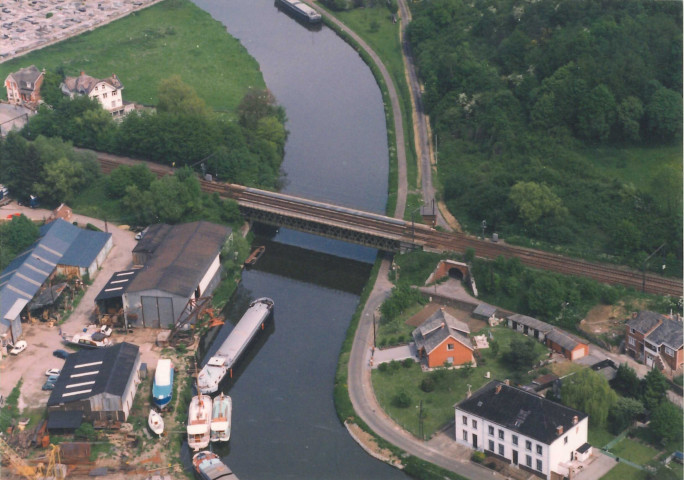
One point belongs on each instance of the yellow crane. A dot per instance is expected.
(16, 463)
(54, 469)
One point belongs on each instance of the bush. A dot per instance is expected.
(427, 385)
(383, 368)
(478, 457)
(407, 362)
(90, 226)
(402, 400)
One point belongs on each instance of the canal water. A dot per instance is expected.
(284, 421)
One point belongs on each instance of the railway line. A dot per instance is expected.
(336, 218)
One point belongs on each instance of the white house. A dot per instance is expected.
(107, 91)
(523, 429)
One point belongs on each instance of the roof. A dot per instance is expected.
(87, 373)
(645, 321)
(484, 310)
(669, 333)
(531, 322)
(564, 339)
(61, 420)
(84, 84)
(83, 245)
(521, 411)
(152, 238)
(181, 258)
(117, 285)
(545, 379)
(437, 328)
(47, 297)
(26, 77)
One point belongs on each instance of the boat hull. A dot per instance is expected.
(155, 422)
(199, 420)
(162, 387)
(209, 466)
(301, 10)
(221, 414)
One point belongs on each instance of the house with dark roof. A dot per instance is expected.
(107, 91)
(60, 248)
(97, 385)
(23, 86)
(181, 265)
(442, 338)
(655, 340)
(518, 427)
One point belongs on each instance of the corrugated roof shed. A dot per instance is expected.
(80, 246)
(521, 411)
(91, 372)
(531, 322)
(182, 258)
(564, 340)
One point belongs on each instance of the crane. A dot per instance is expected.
(16, 463)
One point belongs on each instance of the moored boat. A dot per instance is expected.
(209, 466)
(162, 388)
(199, 420)
(301, 10)
(88, 340)
(228, 354)
(220, 418)
(156, 422)
(255, 255)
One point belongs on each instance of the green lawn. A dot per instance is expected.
(622, 471)
(599, 437)
(438, 405)
(634, 451)
(172, 37)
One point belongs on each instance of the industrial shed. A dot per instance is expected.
(60, 248)
(101, 383)
(181, 265)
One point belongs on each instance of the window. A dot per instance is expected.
(501, 450)
(114, 93)
(539, 465)
(539, 449)
(528, 445)
(95, 96)
(565, 440)
(96, 88)
(113, 103)
(104, 95)
(632, 331)
(528, 461)
(465, 420)
(515, 439)
(490, 429)
(491, 445)
(669, 352)
(450, 346)
(465, 435)
(631, 341)
(474, 423)
(501, 434)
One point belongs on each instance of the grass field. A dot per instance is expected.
(634, 451)
(172, 37)
(599, 437)
(624, 472)
(438, 405)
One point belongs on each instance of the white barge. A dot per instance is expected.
(301, 10)
(228, 354)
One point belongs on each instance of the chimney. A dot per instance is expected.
(507, 382)
(82, 73)
(498, 389)
(575, 420)
(469, 394)
(559, 430)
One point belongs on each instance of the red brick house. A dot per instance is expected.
(655, 340)
(443, 339)
(23, 86)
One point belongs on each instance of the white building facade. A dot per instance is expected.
(522, 429)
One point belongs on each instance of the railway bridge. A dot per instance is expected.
(394, 235)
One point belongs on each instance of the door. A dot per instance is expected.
(515, 457)
(150, 311)
(474, 441)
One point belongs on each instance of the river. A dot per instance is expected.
(284, 421)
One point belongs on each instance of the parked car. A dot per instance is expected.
(52, 371)
(48, 386)
(60, 353)
(19, 347)
(53, 378)
(140, 235)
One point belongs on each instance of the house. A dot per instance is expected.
(61, 248)
(523, 429)
(107, 91)
(23, 86)
(570, 346)
(181, 264)
(97, 385)
(443, 339)
(655, 339)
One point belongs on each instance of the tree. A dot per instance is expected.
(179, 98)
(545, 296)
(534, 201)
(626, 381)
(654, 389)
(589, 392)
(666, 422)
(521, 354)
(50, 90)
(624, 413)
(596, 114)
(664, 114)
(256, 105)
(59, 181)
(15, 237)
(629, 114)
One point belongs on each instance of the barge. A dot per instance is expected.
(210, 467)
(232, 348)
(301, 10)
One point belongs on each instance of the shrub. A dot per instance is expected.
(402, 400)
(394, 365)
(478, 457)
(383, 368)
(407, 362)
(427, 385)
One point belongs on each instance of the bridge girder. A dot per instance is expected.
(316, 228)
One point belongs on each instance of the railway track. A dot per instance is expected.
(418, 234)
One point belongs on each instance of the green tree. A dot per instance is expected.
(50, 90)
(534, 201)
(664, 114)
(596, 114)
(589, 392)
(624, 413)
(626, 381)
(125, 176)
(520, 355)
(545, 296)
(59, 181)
(15, 237)
(629, 114)
(256, 105)
(179, 98)
(666, 422)
(654, 389)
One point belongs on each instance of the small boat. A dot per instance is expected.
(199, 421)
(209, 466)
(301, 10)
(89, 340)
(156, 422)
(255, 255)
(162, 388)
(220, 418)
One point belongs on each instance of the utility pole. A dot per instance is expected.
(643, 267)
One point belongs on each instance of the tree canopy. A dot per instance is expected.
(589, 392)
